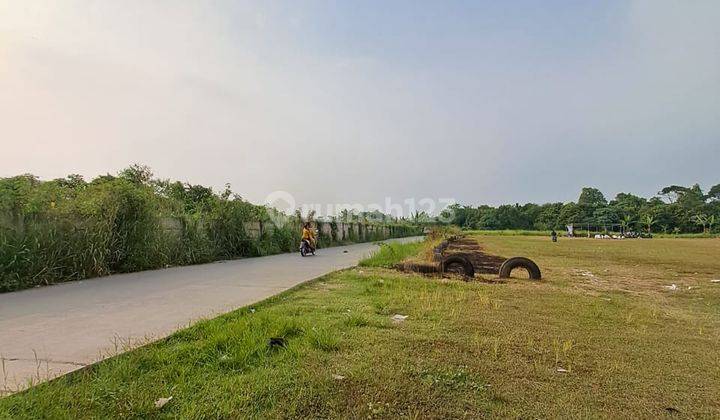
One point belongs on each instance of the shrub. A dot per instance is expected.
(69, 229)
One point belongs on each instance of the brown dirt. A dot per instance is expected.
(466, 247)
(470, 249)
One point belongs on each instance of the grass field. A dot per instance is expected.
(601, 336)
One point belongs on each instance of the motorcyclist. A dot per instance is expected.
(308, 234)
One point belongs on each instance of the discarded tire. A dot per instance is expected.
(455, 261)
(520, 262)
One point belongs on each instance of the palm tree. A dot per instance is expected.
(626, 222)
(711, 222)
(701, 219)
(649, 220)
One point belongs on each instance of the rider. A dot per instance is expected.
(308, 234)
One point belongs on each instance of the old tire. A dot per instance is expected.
(520, 262)
(456, 260)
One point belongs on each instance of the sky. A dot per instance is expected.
(355, 101)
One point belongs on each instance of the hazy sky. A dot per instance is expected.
(353, 101)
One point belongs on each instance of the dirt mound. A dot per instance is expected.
(470, 249)
(457, 246)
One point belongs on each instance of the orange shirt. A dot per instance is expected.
(308, 234)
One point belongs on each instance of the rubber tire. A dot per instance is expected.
(520, 262)
(457, 259)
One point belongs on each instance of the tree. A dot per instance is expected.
(589, 201)
(673, 192)
(711, 222)
(701, 219)
(137, 174)
(628, 205)
(714, 193)
(626, 223)
(570, 213)
(549, 216)
(591, 197)
(72, 181)
(693, 199)
(511, 217)
(604, 216)
(649, 221)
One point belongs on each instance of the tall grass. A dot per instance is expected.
(69, 229)
(390, 254)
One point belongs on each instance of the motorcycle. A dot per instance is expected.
(306, 248)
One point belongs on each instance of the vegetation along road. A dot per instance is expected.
(57, 329)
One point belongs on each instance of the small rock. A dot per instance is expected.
(160, 402)
(672, 287)
(276, 342)
(345, 251)
(338, 377)
(561, 370)
(715, 281)
(397, 318)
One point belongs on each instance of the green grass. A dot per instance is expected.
(686, 235)
(580, 233)
(628, 346)
(392, 253)
(509, 232)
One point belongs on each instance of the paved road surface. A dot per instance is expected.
(49, 331)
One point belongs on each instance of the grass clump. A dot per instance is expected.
(390, 254)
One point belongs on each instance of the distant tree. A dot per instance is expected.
(227, 192)
(693, 199)
(673, 192)
(628, 205)
(626, 223)
(457, 214)
(711, 221)
(649, 220)
(714, 193)
(137, 174)
(604, 216)
(511, 217)
(589, 201)
(487, 218)
(591, 197)
(570, 214)
(548, 217)
(73, 181)
(701, 219)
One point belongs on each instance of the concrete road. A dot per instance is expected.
(49, 331)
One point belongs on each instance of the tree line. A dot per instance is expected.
(675, 209)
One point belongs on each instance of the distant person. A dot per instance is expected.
(553, 235)
(308, 234)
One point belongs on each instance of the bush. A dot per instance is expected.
(68, 229)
